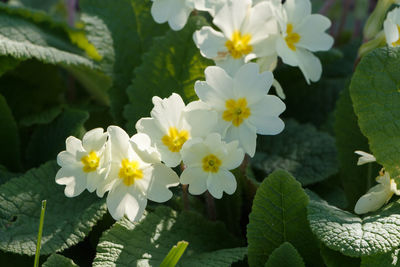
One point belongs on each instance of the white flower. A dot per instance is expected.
(365, 157)
(211, 6)
(172, 124)
(391, 27)
(378, 195)
(176, 12)
(243, 105)
(82, 164)
(245, 34)
(208, 163)
(135, 175)
(301, 34)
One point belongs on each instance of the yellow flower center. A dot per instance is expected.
(211, 163)
(129, 171)
(398, 41)
(291, 38)
(236, 111)
(90, 162)
(175, 139)
(239, 44)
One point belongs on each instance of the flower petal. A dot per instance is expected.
(73, 145)
(193, 151)
(94, 140)
(221, 181)
(141, 143)
(365, 157)
(234, 157)
(297, 10)
(210, 42)
(309, 65)
(231, 16)
(73, 178)
(196, 178)
(376, 197)
(312, 33)
(161, 179)
(119, 143)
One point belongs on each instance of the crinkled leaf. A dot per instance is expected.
(67, 220)
(279, 214)
(356, 180)
(43, 117)
(310, 155)
(146, 243)
(57, 260)
(340, 230)
(172, 64)
(218, 258)
(336, 259)
(285, 256)
(9, 137)
(375, 93)
(382, 260)
(48, 140)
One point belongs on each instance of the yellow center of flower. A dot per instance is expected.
(90, 162)
(291, 38)
(175, 139)
(129, 171)
(236, 111)
(398, 41)
(211, 163)
(239, 44)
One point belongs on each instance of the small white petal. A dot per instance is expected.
(162, 178)
(231, 16)
(365, 157)
(234, 156)
(288, 56)
(141, 143)
(65, 158)
(210, 42)
(309, 65)
(297, 10)
(221, 181)
(376, 197)
(94, 140)
(202, 122)
(312, 33)
(230, 65)
(119, 143)
(196, 178)
(73, 178)
(193, 151)
(179, 19)
(73, 145)
(209, 95)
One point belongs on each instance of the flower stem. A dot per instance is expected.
(212, 212)
(185, 197)
(39, 240)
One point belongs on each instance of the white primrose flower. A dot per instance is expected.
(242, 103)
(211, 6)
(172, 124)
(208, 162)
(135, 175)
(378, 195)
(391, 27)
(301, 34)
(365, 157)
(176, 12)
(246, 33)
(83, 163)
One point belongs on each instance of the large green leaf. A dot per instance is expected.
(148, 242)
(48, 140)
(340, 230)
(57, 260)
(279, 214)
(336, 259)
(310, 155)
(9, 138)
(382, 260)
(374, 90)
(67, 221)
(173, 64)
(285, 256)
(356, 180)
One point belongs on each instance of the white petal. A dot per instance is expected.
(193, 151)
(213, 141)
(123, 200)
(209, 95)
(94, 140)
(196, 178)
(391, 32)
(220, 81)
(73, 178)
(234, 156)
(376, 197)
(163, 10)
(231, 16)
(210, 42)
(202, 122)
(94, 179)
(73, 145)
(288, 56)
(230, 65)
(268, 63)
(247, 138)
(111, 177)
(221, 181)
(162, 178)
(297, 10)
(365, 157)
(260, 23)
(312, 33)
(309, 65)
(150, 127)
(168, 111)
(278, 89)
(119, 143)
(179, 19)
(141, 143)
(65, 158)
(264, 115)
(171, 159)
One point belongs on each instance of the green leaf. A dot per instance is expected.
(9, 137)
(120, 40)
(44, 117)
(147, 242)
(285, 256)
(6, 175)
(57, 260)
(340, 230)
(174, 254)
(374, 90)
(336, 259)
(302, 150)
(356, 180)
(218, 258)
(382, 260)
(67, 221)
(173, 64)
(48, 140)
(278, 215)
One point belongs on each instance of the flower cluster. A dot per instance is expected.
(209, 137)
(254, 30)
